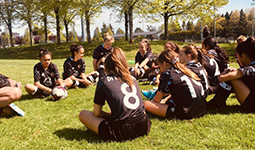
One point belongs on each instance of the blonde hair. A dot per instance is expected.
(116, 64)
(108, 37)
(171, 58)
(241, 39)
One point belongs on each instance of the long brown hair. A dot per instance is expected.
(195, 53)
(116, 64)
(171, 58)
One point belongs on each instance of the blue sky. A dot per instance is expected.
(104, 17)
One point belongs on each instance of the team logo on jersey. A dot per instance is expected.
(79, 66)
(43, 75)
(52, 74)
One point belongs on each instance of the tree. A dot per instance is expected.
(138, 30)
(183, 25)
(97, 35)
(189, 8)
(233, 24)
(151, 28)
(26, 12)
(110, 26)
(109, 31)
(120, 31)
(8, 15)
(104, 29)
(190, 26)
(90, 9)
(69, 14)
(242, 23)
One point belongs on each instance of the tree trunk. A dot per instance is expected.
(10, 32)
(30, 33)
(131, 25)
(56, 10)
(45, 27)
(126, 25)
(166, 26)
(88, 27)
(66, 27)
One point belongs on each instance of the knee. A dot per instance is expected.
(146, 104)
(15, 94)
(83, 114)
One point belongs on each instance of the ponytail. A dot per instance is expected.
(171, 57)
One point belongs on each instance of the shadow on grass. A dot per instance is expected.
(26, 97)
(226, 110)
(77, 134)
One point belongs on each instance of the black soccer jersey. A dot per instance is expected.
(199, 70)
(100, 52)
(220, 61)
(139, 58)
(46, 77)
(123, 101)
(249, 76)
(186, 93)
(212, 69)
(73, 68)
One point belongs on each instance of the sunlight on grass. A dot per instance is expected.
(55, 125)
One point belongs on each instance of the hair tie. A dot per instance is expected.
(174, 60)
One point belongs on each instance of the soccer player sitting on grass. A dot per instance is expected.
(127, 119)
(243, 79)
(46, 76)
(74, 69)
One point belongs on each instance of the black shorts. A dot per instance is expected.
(249, 103)
(41, 94)
(196, 110)
(127, 129)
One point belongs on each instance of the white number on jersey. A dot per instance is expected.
(128, 95)
(202, 72)
(190, 86)
(217, 70)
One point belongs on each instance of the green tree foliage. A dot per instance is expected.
(138, 30)
(69, 12)
(8, 15)
(190, 8)
(109, 30)
(97, 36)
(26, 11)
(183, 25)
(89, 9)
(233, 24)
(120, 31)
(190, 26)
(104, 28)
(243, 23)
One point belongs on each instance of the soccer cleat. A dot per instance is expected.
(147, 94)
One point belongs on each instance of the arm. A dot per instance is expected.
(42, 87)
(95, 64)
(98, 112)
(228, 75)
(159, 96)
(60, 82)
(146, 60)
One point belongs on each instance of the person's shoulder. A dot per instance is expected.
(38, 65)
(99, 47)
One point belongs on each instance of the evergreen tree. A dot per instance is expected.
(110, 26)
(243, 23)
(190, 26)
(97, 35)
(227, 16)
(104, 29)
(120, 31)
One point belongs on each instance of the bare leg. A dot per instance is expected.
(90, 121)
(9, 95)
(241, 90)
(30, 88)
(156, 108)
(68, 82)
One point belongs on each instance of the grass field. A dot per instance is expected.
(55, 125)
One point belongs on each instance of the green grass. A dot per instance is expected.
(55, 125)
